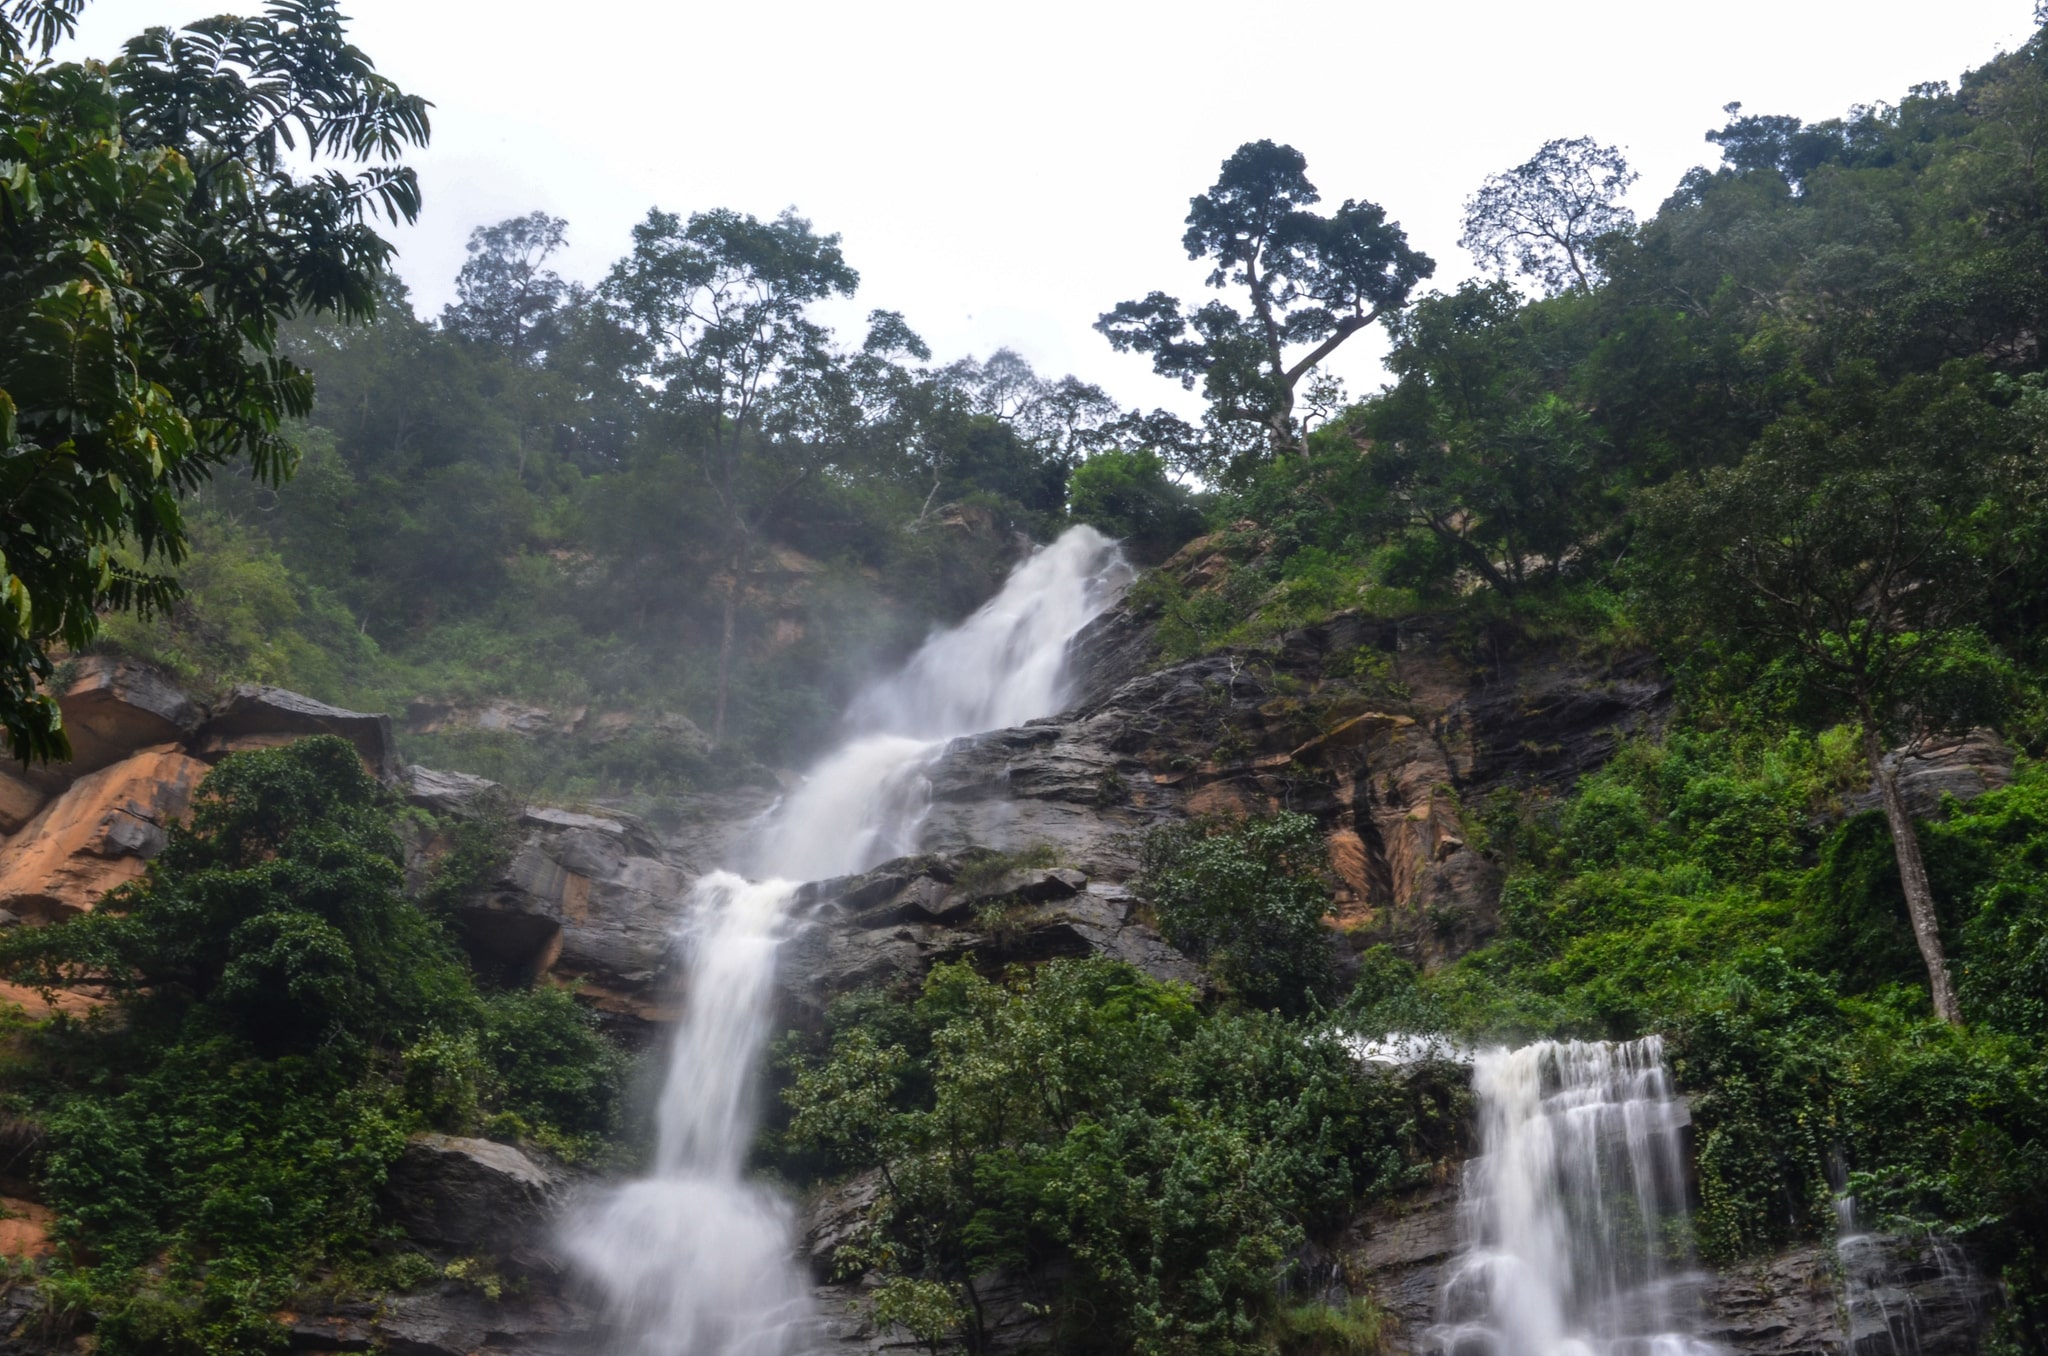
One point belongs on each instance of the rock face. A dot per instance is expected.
(112, 707)
(462, 1196)
(1875, 1295)
(488, 1213)
(1397, 1252)
(1906, 1295)
(1963, 766)
(97, 834)
(589, 899)
(256, 717)
(889, 926)
(141, 745)
(451, 793)
(1379, 729)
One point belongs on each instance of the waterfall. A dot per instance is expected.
(694, 1259)
(1574, 1212)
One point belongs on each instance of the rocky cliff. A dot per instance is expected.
(1394, 735)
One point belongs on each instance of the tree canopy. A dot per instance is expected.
(1310, 281)
(153, 234)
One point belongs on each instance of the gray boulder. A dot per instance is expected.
(887, 927)
(1964, 766)
(451, 793)
(255, 717)
(589, 899)
(472, 1196)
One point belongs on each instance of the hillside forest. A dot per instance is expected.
(1787, 434)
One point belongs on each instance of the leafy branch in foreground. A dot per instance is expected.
(151, 239)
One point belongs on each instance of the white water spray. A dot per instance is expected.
(1575, 1210)
(694, 1260)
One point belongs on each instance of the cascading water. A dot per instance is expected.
(1575, 1210)
(694, 1260)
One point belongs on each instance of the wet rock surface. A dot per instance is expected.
(1902, 1296)
(1878, 1295)
(453, 1318)
(1397, 1252)
(887, 927)
(1384, 731)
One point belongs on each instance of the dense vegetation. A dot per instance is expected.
(282, 1017)
(473, 519)
(1173, 1159)
(153, 234)
(1790, 432)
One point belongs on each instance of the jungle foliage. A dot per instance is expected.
(1706, 886)
(557, 496)
(1788, 431)
(1084, 1122)
(153, 236)
(282, 1017)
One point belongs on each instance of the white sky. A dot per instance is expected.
(1003, 174)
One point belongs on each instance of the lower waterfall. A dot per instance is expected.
(694, 1259)
(1574, 1212)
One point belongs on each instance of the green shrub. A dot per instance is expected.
(1162, 1163)
(287, 1017)
(1355, 1329)
(1248, 902)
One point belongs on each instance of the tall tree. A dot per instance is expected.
(1512, 480)
(505, 292)
(1311, 282)
(1851, 551)
(748, 380)
(1549, 215)
(152, 235)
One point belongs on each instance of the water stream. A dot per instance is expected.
(694, 1259)
(1574, 1212)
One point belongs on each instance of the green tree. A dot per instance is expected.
(1130, 496)
(1248, 901)
(505, 293)
(278, 912)
(1853, 549)
(1158, 1164)
(1510, 479)
(749, 382)
(1551, 215)
(287, 1016)
(152, 235)
(1310, 281)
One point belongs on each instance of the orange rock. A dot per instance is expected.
(112, 708)
(25, 1229)
(97, 835)
(19, 802)
(1353, 865)
(35, 1007)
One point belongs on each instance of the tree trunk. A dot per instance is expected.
(1913, 878)
(725, 635)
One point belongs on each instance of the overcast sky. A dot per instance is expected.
(1003, 174)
